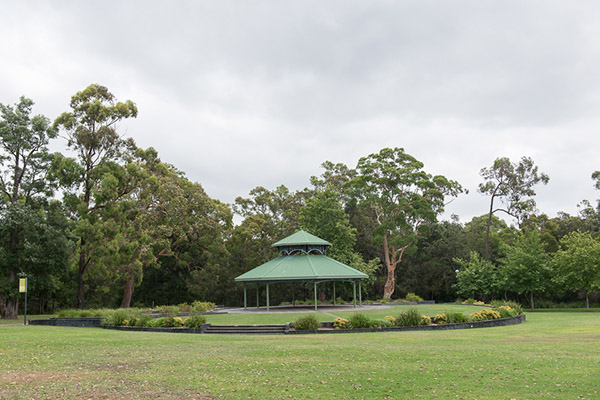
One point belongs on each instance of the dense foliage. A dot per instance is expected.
(108, 224)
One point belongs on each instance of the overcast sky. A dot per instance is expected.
(239, 94)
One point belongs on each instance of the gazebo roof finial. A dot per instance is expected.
(301, 238)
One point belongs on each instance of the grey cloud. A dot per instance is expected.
(239, 94)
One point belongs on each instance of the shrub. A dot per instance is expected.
(359, 320)
(340, 323)
(506, 311)
(485, 314)
(184, 307)
(68, 313)
(515, 306)
(390, 319)
(307, 323)
(413, 297)
(509, 303)
(195, 321)
(203, 306)
(410, 317)
(172, 322)
(378, 324)
(384, 300)
(144, 320)
(489, 314)
(99, 312)
(473, 301)
(118, 317)
(156, 322)
(440, 319)
(85, 313)
(425, 320)
(168, 310)
(456, 317)
(477, 316)
(340, 300)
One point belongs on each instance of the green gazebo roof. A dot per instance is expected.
(301, 267)
(301, 238)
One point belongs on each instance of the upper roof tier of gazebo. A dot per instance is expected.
(302, 242)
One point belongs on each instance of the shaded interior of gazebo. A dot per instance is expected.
(302, 259)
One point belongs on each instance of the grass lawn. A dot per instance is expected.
(19, 320)
(552, 355)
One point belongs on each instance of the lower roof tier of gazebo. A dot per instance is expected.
(303, 268)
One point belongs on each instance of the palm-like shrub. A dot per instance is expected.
(307, 323)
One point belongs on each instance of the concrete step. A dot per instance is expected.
(246, 329)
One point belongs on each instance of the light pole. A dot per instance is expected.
(23, 289)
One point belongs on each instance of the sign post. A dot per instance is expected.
(23, 289)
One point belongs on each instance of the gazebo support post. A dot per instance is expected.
(257, 298)
(354, 290)
(245, 299)
(334, 293)
(267, 297)
(315, 285)
(359, 293)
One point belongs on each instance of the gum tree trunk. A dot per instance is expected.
(531, 301)
(127, 294)
(391, 260)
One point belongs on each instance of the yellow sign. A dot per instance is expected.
(22, 285)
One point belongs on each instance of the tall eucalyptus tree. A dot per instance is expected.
(91, 129)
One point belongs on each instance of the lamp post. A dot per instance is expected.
(23, 289)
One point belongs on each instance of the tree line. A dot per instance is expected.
(109, 224)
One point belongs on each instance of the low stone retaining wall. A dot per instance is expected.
(87, 322)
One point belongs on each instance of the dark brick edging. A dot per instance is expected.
(85, 322)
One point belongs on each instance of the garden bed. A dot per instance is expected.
(179, 329)
(328, 327)
(405, 320)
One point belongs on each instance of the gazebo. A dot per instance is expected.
(302, 258)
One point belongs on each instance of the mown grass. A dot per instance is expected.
(19, 320)
(580, 309)
(549, 356)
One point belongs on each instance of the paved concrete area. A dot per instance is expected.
(305, 309)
